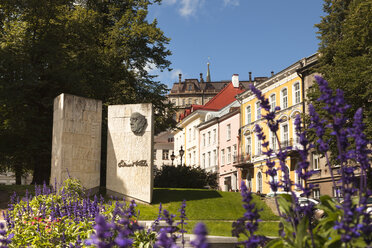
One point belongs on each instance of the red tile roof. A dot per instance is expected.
(223, 98)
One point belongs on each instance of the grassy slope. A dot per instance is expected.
(202, 204)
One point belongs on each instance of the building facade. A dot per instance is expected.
(163, 149)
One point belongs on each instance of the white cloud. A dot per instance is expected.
(150, 67)
(169, 2)
(231, 2)
(189, 7)
(175, 74)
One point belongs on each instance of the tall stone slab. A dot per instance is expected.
(76, 144)
(130, 151)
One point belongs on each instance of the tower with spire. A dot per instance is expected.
(208, 73)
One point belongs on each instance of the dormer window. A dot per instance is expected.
(190, 87)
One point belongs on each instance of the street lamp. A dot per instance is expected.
(181, 151)
(172, 157)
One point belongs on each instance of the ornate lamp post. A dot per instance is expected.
(172, 157)
(181, 151)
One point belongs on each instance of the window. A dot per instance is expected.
(174, 101)
(337, 192)
(259, 182)
(196, 101)
(203, 139)
(229, 155)
(248, 145)
(285, 171)
(154, 153)
(235, 155)
(258, 110)
(272, 102)
(209, 138)
(215, 157)
(190, 159)
(316, 193)
(209, 159)
(183, 102)
(297, 93)
(190, 100)
(165, 154)
(285, 137)
(189, 134)
(228, 131)
(190, 87)
(214, 136)
(223, 157)
(258, 146)
(194, 158)
(272, 141)
(194, 133)
(298, 179)
(248, 118)
(284, 93)
(203, 160)
(315, 160)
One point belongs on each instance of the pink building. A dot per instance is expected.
(229, 150)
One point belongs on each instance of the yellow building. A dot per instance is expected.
(286, 90)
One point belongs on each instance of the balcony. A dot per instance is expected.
(242, 161)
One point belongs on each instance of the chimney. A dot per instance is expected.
(180, 77)
(272, 73)
(235, 80)
(250, 76)
(201, 78)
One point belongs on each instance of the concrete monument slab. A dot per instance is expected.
(130, 151)
(76, 143)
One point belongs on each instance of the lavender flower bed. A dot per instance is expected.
(68, 218)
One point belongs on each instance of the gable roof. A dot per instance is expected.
(223, 98)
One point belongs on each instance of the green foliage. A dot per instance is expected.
(346, 54)
(72, 187)
(184, 177)
(143, 239)
(96, 49)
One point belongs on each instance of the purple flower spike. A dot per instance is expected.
(201, 236)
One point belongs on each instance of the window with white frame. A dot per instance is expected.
(273, 141)
(228, 155)
(203, 139)
(315, 161)
(228, 128)
(295, 136)
(203, 160)
(235, 153)
(214, 157)
(296, 93)
(284, 94)
(248, 115)
(194, 158)
(259, 182)
(285, 135)
(209, 137)
(190, 100)
(316, 193)
(258, 110)
(194, 133)
(272, 102)
(183, 101)
(258, 146)
(337, 191)
(248, 145)
(223, 157)
(165, 154)
(209, 159)
(214, 136)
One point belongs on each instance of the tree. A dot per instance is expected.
(346, 53)
(91, 48)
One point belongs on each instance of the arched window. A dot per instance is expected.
(259, 182)
(298, 180)
(296, 93)
(285, 186)
(284, 94)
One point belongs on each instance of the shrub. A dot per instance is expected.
(184, 177)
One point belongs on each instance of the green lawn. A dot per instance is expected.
(202, 204)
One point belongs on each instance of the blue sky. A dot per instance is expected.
(236, 36)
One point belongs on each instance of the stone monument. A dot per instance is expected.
(76, 143)
(130, 151)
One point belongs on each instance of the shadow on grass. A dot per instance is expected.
(174, 195)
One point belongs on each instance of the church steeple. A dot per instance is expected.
(208, 74)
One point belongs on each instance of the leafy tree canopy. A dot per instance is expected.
(92, 48)
(346, 53)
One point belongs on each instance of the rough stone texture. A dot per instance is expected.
(76, 144)
(124, 151)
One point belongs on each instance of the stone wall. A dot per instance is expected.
(130, 154)
(76, 142)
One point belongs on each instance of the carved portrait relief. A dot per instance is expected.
(138, 123)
